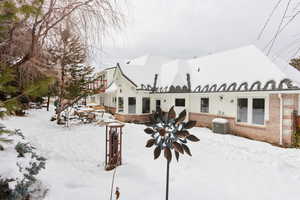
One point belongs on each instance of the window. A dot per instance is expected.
(146, 105)
(204, 105)
(242, 110)
(120, 104)
(101, 101)
(258, 111)
(114, 100)
(131, 105)
(180, 102)
(157, 106)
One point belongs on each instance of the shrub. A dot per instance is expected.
(23, 185)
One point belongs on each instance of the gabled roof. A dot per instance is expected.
(125, 76)
(112, 88)
(142, 70)
(239, 66)
(246, 64)
(290, 71)
(173, 73)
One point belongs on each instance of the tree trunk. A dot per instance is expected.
(61, 93)
(48, 102)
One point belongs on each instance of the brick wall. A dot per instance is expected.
(268, 133)
(110, 109)
(290, 103)
(133, 118)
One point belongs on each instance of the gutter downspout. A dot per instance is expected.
(281, 119)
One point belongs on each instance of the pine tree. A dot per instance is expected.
(70, 55)
(77, 85)
(13, 17)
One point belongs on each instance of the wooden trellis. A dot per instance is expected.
(113, 145)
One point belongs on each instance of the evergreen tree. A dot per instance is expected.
(13, 17)
(75, 75)
(77, 85)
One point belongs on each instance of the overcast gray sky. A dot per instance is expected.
(188, 28)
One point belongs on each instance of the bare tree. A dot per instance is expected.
(291, 10)
(38, 26)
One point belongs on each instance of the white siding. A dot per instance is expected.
(222, 104)
(228, 105)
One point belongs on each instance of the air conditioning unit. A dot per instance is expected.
(220, 125)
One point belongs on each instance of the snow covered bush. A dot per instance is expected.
(20, 165)
(3, 139)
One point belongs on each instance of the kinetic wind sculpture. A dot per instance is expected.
(170, 133)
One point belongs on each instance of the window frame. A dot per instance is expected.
(264, 112)
(120, 110)
(176, 105)
(237, 110)
(156, 104)
(250, 110)
(149, 104)
(132, 105)
(201, 110)
(93, 99)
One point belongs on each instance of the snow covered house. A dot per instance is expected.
(244, 86)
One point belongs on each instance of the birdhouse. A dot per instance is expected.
(113, 145)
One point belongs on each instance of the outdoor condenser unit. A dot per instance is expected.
(220, 125)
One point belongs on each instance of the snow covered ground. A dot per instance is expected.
(222, 167)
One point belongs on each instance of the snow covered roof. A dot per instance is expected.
(246, 64)
(173, 73)
(290, 71)
(245, 68)
(142, 70)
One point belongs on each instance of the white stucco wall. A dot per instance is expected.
(109, 75)
(126, 89)
(228, 105)
(168, 100)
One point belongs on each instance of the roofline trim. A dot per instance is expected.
(126, 77)
(297, 91)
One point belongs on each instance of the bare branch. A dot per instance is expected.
(268, 19)
(279, 27)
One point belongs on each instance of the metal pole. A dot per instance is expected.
(106, 146)
(167, 184)
(120, 146)
(112, 183)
